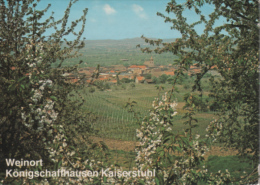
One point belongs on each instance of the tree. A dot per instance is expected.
(132, 85)
(155, 80)
(159, 145)
(126, 80)
(148, 76)
(232, 50)
(38, 117)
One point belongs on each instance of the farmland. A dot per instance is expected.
(114, 121)
(117, 127)
(109, 117)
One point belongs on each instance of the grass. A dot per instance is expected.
(203, 120)
(237, 166)
(234, 164)
(124, 159)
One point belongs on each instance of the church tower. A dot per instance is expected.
(149, 63)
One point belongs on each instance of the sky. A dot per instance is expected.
(120, 19)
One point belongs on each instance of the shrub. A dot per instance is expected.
(186, 86)
(92, 89)
(40, 112)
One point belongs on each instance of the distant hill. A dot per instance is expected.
(111, 52)
(123, 42)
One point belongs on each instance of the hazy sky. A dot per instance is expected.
(120, 19)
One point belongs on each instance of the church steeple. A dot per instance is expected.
(149, 63)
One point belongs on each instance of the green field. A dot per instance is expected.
(117, 127)
(112, 119)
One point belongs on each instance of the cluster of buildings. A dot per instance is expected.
(137, 73)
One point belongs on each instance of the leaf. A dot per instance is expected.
(141, 182)
(194, 126)
(178, 148)
(40, 167)
(162, 153)
(157, 181)
(104, 146)
(165, 140)
(22, 78)
(11, 87)
(104, 179)
(54, 98)
(59, 164)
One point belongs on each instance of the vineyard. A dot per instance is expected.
(111, 119)
(110, 116)
(116, 127)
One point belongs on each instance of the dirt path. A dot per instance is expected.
(114, 144)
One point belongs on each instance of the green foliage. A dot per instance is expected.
(123, 86)
(155, 80)
(236, 165)
(178, 79)
(132, 85)
(126, 80)
(38, 118)
(230, 49)
(186, 86)
(163, 78)
(148, 76)
(92, 89)
(159, 144)
(196, 101)
(101, 85)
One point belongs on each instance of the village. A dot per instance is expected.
(135, 73)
